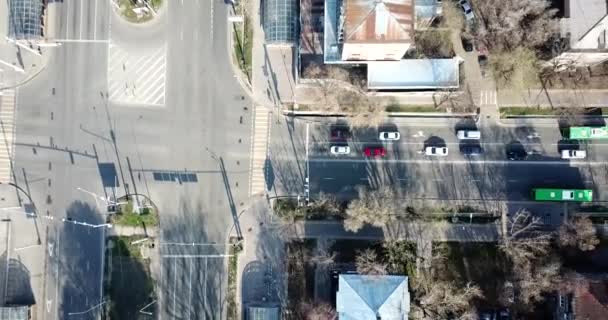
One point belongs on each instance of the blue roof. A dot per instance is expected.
(363, 297)
(413, 74)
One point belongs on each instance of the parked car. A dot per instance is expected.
(471, 150)
(374, 152)
(436, 151)
(340, 134)
(467, 44)
(466, 8)
(390, 136)
(468, 134)
(339, 150)
(517, 154)
(574, 154)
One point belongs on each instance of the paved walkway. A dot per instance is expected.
(410, 231)
(272, 66)
(127, 231)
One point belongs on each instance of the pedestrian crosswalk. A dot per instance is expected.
(487, 97)
(137, 78)
(7, 128)
(259, 149)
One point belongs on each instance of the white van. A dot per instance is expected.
(468, 134)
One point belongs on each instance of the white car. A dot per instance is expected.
(468, 134)
(436, 151)
(338, 150)
(390, 136)
(574, 154)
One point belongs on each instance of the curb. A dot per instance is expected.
(533, 116)
(389, 114)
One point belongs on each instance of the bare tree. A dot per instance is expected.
(318, 311)
(504, 26)
(452, 16)
(437, 299)
(375, 207)
(323, 258)
(517, 70)
(367, 263)
(579, 233)
(327, 203)
(534, 271)
(340, 91)
(524, 241)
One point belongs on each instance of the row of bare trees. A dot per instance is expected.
(343, 92)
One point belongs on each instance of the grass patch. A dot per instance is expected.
(300, 275)
(126, 10)
(538, 111)
(232, 307)
(411, 108)
(289, 210)
(129, 284)
(126, 217)
(243, 43)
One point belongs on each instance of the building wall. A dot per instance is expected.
(374, 51)
(595, 38)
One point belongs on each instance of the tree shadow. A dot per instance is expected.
(80, 259)
(16, 287)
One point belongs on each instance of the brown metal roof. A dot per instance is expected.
(379, 21)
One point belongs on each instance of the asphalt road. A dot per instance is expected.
(489, 176)
(74, 138)
(53, 157)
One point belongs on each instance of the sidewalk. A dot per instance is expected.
(272, 66)
(410, 231)
(260, 274)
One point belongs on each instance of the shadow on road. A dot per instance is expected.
(80, 257)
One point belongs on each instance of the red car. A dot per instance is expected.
(375, 152)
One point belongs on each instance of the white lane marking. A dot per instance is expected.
(211, 20)
(80, 26)
(328, 178)
(190, 291)
(174, 285)
(95, 21)
(205, 288)
(181, 34)
(67, 21)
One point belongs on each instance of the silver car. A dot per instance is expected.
(467, 10)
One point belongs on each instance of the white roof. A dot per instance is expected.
(413, 74)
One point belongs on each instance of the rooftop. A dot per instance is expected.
(591, 297)
(363, 297)
(379, 21)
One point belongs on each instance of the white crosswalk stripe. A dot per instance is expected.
(137, 79)
(259, 149)
(487, 97)
(7, 127)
